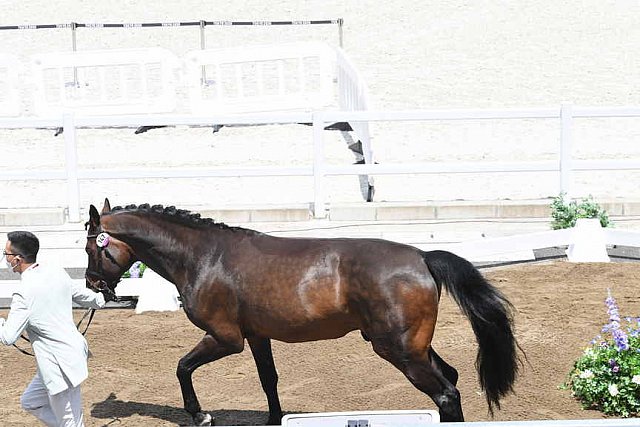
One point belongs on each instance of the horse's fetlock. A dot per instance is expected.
(192, 407)
(203, 419)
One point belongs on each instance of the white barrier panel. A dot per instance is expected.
(10, 102)
(611, 422)
(156, 293)
(404, 418)
(589, 242)
(281, 77)
(502, 248)
(105, 82)
(353, 96)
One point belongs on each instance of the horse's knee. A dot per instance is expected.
(183, 368)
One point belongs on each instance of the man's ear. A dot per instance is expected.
(107, 206)
(94, 217)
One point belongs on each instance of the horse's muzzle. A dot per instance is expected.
(103, 287)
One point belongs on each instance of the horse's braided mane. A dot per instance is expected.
(181, 216)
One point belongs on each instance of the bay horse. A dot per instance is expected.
(237, 284)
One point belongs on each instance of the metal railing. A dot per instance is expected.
(201, 24)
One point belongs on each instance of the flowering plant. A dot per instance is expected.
(607, 375)
(135, 271)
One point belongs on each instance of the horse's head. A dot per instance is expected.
(109, 257)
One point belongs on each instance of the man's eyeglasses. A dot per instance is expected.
(5, 254)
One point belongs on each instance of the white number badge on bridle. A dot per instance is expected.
(102, 240)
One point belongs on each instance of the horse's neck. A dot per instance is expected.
(161, 248)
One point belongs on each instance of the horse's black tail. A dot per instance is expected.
(490, 315)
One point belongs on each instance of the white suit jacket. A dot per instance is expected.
(43, 307)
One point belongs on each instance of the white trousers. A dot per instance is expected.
(63, 409)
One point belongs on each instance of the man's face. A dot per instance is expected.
(11, 258)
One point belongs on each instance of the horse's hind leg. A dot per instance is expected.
(261, 350)
(207, 350)
(447, 370)
(424, 372)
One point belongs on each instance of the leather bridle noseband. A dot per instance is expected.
(105, 285)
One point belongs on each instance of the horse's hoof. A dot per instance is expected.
(203, 419)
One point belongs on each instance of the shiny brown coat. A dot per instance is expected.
(237, 284)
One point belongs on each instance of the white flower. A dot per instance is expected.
(636, 379)
(613, 390)
(586, 374)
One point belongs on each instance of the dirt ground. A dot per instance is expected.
(559, 308)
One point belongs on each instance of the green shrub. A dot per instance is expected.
(607, 375)
(565, 214)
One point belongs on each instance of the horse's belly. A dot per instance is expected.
(312, 331)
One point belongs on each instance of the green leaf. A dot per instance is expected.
(565, 213)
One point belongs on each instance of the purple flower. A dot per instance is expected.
(621, 340)
(134, 270)
(614, 315)
(613, 364)
(619, 336)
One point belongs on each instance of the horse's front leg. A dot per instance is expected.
(261, 350)
(207, 350)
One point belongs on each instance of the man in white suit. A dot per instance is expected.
(43, 308)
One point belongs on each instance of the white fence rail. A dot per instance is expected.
(564, 165)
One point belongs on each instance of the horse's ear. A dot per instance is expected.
(107, 206)
(94, 217)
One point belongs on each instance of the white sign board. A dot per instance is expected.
(406, 418)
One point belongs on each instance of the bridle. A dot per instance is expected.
(105, 285)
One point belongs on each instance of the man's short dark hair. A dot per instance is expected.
(25, 244)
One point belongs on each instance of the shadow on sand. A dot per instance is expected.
(112, 409)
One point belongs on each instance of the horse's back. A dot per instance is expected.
(354, 261)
